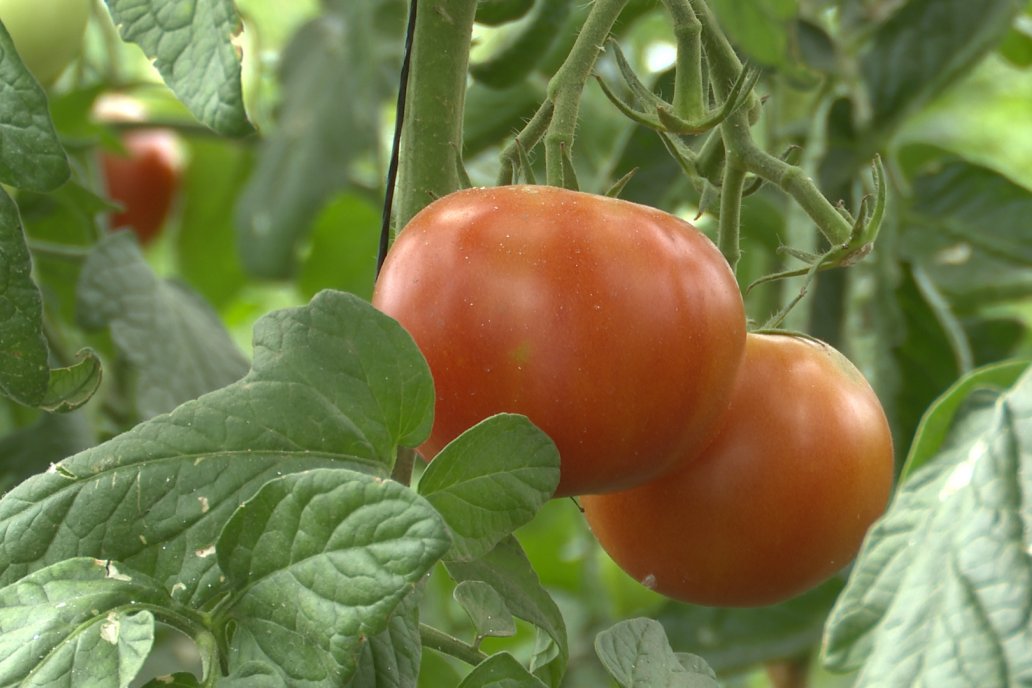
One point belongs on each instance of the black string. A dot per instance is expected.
(399, 118)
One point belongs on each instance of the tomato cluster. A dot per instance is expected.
(716, 467)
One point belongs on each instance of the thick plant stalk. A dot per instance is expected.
(431, 138)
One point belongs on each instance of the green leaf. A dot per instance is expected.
(323, 558)
(335, 73)
(486, 609)
(976, 119)
(191, 45)
(935, 425)
(925, 46)
(24, 373)
(31, 156)
(506, 569)
(760, 28)
(72, 386)
(500, 671)
(334, 383)
(174, 341)
(921, 346)
(392, 657)
(968, 228)
(637, 653)
(491, 480)
(81, 622)
(938, 594)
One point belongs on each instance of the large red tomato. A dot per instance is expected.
(779, 502)
(616, 328)
(144, 180)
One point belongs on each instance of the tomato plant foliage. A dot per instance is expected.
(208, 449)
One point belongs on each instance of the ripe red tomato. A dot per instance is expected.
(778, 502)
(614, 327)
(144, 181)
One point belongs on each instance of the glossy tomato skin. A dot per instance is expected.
(144, 180)
(778, 502)
(614, 327)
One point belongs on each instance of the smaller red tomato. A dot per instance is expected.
(778, 502)
(144, 180)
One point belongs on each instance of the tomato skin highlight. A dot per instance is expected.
(144, 181)
(614, 327)
(781, 499)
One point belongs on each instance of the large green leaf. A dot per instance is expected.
(31, 156)
(987, 383)
(319, 560)
(968, 228)
(391, 658)
(191, 44)
(925, 46)
(335, 74)
(941, 591)
(334, 383)
(491, 480)
(172, 338)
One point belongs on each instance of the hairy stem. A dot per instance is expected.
(689, 98)
(431, 136)
(449, 645)
(731, 210)
(725, 68)
(565, 88)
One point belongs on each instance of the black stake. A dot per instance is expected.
(399, 118)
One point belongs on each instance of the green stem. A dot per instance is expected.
(52, 249)
(792, 180)
(403, 465)
(431, 135)
(689, 98)
(723, 62)
(724, 68)
(565, 88)
(528, 138)
(731, 210)
(449, 645)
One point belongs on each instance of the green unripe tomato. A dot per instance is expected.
(47, 33)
